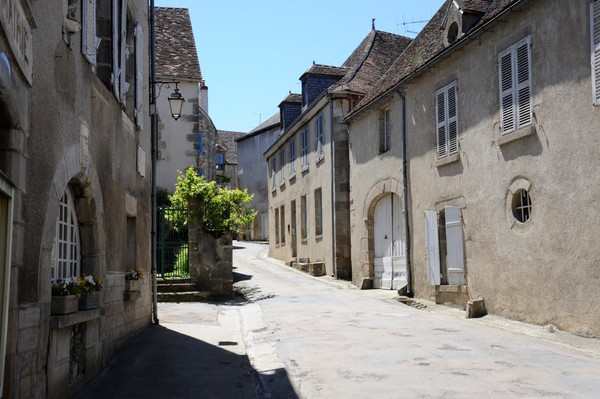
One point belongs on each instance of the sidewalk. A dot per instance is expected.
(197, 351)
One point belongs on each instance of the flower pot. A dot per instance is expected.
(63, 304)
(132, 285)
(89, 300)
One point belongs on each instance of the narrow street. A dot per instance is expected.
(320, 338)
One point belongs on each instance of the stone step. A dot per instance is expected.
(176, 287)
(189, 296)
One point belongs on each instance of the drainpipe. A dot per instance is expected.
(332, 171)
(153, 138)
(409, 287)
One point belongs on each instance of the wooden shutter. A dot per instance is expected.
(116, 63)
(440, 110)
(139, 76)
(123, 85)
(523, 79)
(455, 254)
(433, 250)
(595, 42)
(507, 106)
(452, 127)
(88, 31)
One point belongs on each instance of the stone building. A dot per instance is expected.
(76, 133)
(190, 140)
(309, 164)
(252, 172)
(500, 118)
(226, 158)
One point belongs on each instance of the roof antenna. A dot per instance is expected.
(373, 23)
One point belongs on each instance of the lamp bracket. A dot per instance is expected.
(166, 83)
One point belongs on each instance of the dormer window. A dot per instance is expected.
(452, 32)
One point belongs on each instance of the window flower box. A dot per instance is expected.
(63, 304)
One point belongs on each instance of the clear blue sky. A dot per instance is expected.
(252, 53)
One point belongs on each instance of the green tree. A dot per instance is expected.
(223, 210)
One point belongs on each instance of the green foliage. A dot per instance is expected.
(162, 197)
(222, 179)
(222, 210)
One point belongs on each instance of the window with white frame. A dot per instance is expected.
(318, 212)
(319, 136)
(446, 120)
(292, 146)
(514, 73)
(385, 130)
(595, 50)
(281, 165)
(521, 205)
(303, 218)
(304, 136)
(67, 244)
(273, 171)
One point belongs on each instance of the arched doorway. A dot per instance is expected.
(389, 263)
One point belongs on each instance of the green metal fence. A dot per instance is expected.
(172, 246)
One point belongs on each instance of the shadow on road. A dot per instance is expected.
(162, 363)
(235, 247)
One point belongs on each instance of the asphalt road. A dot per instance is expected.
(312, 337)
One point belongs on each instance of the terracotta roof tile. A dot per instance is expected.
(176, 54)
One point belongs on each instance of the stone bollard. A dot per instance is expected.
(476, 308)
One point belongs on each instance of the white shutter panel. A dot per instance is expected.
(116, 63)
(455, 246)
(523, 79)
(433, 251)
(139, 76)
(123, 85)
(440, 109)
(88, 31)
(595, 42)
(452, 120)
(507, 101)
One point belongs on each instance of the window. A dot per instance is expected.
(521, 205)
(304, 136)
(446, 120)
(131, 255)
(273, 186)
(200, 144)
(282, 166)
(66, 244)
(292, 145)
(303, 217)
(276, 226)
(113, 44)
(385, 131)
(514, 65)
(6, 233)
(595, 42)
(319, 136)
(220, 160)
(282, 224)
(318, 212)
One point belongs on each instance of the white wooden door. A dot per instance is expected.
(390, 249)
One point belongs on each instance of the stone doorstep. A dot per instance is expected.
(189, 296)
(176, 287)
(315, 269)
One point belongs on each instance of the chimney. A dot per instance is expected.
(204, 96)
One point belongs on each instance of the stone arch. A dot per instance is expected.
(377, 191)
(83, 181)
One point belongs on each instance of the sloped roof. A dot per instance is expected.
(226, 142)
(327, 70)
(474, 5)
(176, 54)
(292, 98)
(428, 44)
(370, 60)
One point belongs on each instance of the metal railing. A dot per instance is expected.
(172, 246)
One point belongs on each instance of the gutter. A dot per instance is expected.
(153, 145)
(405, 190)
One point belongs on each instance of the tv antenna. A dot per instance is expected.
(407, 24)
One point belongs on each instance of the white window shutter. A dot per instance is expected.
(116, 63)
(440, 110)
(139, 75)
(595, 51)
(452, 120)
(507, 101)
(523, 79)
(141, 161)
(454, 245)
(433, 250)
(123, 85)
(88, 31)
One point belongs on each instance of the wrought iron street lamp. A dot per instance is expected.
(176, 101)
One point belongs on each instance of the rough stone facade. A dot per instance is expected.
(66, 130)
